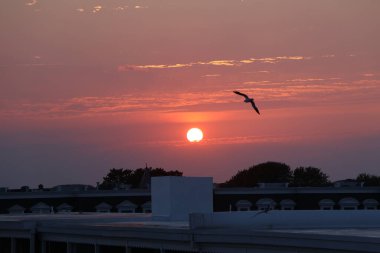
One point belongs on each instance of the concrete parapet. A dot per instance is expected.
(278, 219)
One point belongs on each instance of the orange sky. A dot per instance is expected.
(86, 86)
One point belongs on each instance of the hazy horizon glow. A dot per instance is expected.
(88, 86)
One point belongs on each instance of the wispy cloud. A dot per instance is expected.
(211, 75)
(305, 79)
(264, 82)
(97, 8)
(121, 8)
(81, 106)
(31, 64)
(328, 56)
(313, 91)
(327, 90)
(108, 8)
(219, 62)
(31, 3)
(233, 140)
(368, 74)
(250, 139)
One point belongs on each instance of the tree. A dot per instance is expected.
(135, 178)
(269, 172)
(140, 178)
(368, 180)
(309, 176)
(116, 177)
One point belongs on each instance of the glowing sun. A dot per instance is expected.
(194, 135)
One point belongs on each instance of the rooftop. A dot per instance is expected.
(141, 229)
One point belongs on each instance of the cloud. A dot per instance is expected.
(221, 141)
(124, 68)
(97, 8)
(291, 58)
(257, 82)
(177, 65)
(297, 92)
(368, 74)
(87, 106)
(246, 61)
(313, 90)
(328, 56)
(305, 79)
(31, 3)
(115, 8)
(120, 8)
(32, 64)
(219, 63)
(211, 75)
(250, 139)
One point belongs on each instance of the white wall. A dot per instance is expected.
(174, 198)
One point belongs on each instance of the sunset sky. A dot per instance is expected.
(89, 85)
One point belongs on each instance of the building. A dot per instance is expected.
(182, 220)
(83, 198)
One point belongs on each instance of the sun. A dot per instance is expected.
(194, 135)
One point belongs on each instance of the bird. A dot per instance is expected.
(248, 100)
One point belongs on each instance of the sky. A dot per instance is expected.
(90, 85)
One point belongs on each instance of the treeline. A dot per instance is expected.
(276, 172)
(268, 172)
(137, 178)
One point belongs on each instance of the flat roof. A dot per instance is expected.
(140, 230)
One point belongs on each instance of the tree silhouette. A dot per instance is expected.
(116, 177)
(309, 176)
(134, 178)
(269, 172)
(368, 180)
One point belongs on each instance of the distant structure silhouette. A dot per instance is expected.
(248, 100)
(145, 179)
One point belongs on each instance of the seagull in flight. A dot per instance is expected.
(248, 100)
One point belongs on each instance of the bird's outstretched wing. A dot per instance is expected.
(255, 107)
(241, 94)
